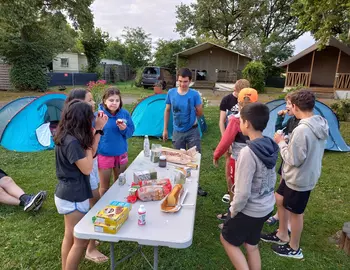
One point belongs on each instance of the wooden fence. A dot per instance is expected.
(116, 73)
(5, 83)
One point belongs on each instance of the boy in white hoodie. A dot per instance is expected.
(301, 171)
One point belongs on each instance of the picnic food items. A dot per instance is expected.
(171, 203)
(112, 217)
(180, 156)
(173, 196)
(156, 150)
(142, 215)
(120, 121)
(162, 161)
(153, 190)
(145, 175)
(121, 179)
(185, 170)
(180, 177)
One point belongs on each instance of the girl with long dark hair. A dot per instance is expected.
(75, 147)
(92, 253)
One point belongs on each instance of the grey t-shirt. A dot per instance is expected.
(72, 185)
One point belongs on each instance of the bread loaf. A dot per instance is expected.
(173, 195)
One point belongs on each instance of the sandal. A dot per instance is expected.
(226, 198)
(272, 221)
(100, 259)
(222, 216)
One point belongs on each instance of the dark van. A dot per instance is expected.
(153, 75)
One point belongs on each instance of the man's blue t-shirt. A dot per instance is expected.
(183, 108)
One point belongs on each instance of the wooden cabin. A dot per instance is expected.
(323, 71)
(211, 63)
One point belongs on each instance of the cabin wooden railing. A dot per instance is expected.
(298, 78)
(342, 81)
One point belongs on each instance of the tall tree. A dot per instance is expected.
(226, 20)
(166, 49)
(33, 32)
(138, 46)
(324, 18)
(94, 43)
(274, 28)
(115, 50)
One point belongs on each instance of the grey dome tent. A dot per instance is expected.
(335, 141)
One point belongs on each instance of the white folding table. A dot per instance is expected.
(174, 230)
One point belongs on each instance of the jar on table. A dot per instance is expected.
(162, 161)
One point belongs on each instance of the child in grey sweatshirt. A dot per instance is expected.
(301, 171)
(254, 199)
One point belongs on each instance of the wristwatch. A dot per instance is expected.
(100, 131)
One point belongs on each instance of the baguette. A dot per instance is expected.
(173, 195)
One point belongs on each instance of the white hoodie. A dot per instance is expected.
(303, 155)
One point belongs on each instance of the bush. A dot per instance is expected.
(97, 90)
(292, 89)
(138, 77)
(254, 72)
(342, 109)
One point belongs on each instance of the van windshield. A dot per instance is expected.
(150, 71)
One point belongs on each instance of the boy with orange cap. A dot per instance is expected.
(233, 136)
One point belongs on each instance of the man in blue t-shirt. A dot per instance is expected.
(186, 105)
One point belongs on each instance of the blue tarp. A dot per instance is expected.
(59, 78)
(148, 117)
(23, 116)
(335, 141)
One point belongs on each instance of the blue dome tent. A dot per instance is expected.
(148, 117)
(21, 118)
(335, 141)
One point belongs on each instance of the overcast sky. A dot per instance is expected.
(156, 17)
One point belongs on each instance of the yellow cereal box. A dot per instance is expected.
(112, 215)
(103, 228)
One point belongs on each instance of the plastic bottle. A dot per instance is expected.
(142, 215)
(146, 148)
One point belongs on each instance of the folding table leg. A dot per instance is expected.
(112, 256)
(155, 263)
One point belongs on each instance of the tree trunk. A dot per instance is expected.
(345, 238)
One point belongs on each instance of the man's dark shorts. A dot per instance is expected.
(188, 139)
(294, 201)
(243, 229)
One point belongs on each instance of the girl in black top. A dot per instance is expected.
(75, 145)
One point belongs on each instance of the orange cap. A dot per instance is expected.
(248, 93)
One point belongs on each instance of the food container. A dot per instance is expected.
(179, 177)
(156, 152)
(122, 179)
(162, 161)
(132, 191)
(179, 198)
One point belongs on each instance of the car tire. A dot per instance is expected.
(145, 87)
(164, 85)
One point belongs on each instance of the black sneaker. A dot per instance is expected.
(33, 201)
(287, 251)
(40, 203)
(272, 238)
(201, 192)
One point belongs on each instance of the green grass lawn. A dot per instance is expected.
(32, 240)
